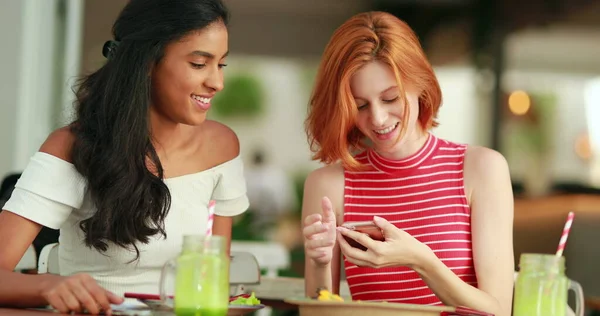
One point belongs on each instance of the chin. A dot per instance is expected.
(389, 148)
(194, 121)
(387, 151)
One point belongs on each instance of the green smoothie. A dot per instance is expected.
(202, 281)
(541, 286)
(540, 295)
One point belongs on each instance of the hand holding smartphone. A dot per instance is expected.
(366, 227)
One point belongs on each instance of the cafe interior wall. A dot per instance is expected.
(560, 63)
(40, 57)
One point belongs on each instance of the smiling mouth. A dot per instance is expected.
(201, 99)
(202, 102)
(386, 130)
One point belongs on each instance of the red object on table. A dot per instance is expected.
(156, 297)
(142, 296)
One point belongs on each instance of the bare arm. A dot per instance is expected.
(16, 235)
(491, 199)
(16, 289)
(65, 294)
(223, 145)
(222, 227)
(325, 182)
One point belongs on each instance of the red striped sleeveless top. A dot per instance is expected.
(423, 195)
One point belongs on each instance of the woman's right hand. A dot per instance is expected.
(320, 234)
(77, 293)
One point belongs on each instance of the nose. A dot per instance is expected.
(379, 115)
(214, 80)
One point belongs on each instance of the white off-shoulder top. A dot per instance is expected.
(52, 193)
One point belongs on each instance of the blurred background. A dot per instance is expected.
(521, 77)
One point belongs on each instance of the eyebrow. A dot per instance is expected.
(382, 92)
(206, 54)
(390, 88)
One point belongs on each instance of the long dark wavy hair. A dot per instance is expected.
(113, 148)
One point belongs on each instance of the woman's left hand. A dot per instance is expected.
(398, 249)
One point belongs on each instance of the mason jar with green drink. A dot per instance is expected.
(541, 288)
(201, 277)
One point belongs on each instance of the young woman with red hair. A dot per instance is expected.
(445, 209)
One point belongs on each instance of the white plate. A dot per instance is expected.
(234, 310)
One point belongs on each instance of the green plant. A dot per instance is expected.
(533, 132)
(242, 97)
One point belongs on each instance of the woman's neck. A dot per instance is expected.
(409, 145)
(168, 136)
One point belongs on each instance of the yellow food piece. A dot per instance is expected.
(325, 295)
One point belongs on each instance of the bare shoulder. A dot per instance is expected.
(326, 181)
(326, 175)
(485, 170)
(221, 140)
(59, 143)
(482, 160)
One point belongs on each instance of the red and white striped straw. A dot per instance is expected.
(211, 218)
(565, 235)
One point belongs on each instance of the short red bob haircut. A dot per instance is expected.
(366, 37)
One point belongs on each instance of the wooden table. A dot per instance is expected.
(31, 312)
(593, 303)
(538, 208)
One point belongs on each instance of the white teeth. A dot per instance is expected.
(201, 99)
(386, 130)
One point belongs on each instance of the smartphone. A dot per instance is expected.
(366, 227)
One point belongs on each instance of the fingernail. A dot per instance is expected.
(341, 229)
(377, 219)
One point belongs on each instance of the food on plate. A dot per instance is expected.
(245, 299)
(325, 295)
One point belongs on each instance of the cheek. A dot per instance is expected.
(182, 82)
(414, 106)
(172, 91)
(362, 121)
(178, 79)
(414, 115)
(189, 81)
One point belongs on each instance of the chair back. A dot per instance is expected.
(48, 261)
